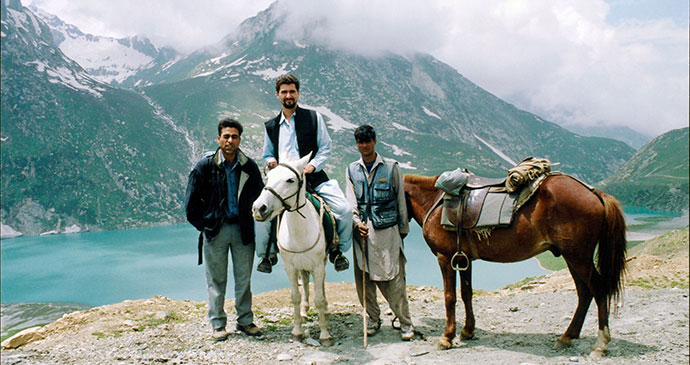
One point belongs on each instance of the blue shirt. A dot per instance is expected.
(287, 141)
(233, 179)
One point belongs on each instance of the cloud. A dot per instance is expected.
(567, 61)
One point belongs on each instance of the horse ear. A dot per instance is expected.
(303, 161)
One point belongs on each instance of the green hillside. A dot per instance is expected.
(656, 177)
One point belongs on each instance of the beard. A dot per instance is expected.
(289, 104)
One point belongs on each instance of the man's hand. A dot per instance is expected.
(309, 169)
(272, 164)
(363, 230)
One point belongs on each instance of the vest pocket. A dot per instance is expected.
(382, 192)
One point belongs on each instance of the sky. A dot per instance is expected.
(582, 62)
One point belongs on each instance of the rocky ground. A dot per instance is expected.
(515, 325)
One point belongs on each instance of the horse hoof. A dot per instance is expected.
(598, 354)
(326, 342)
(562, 343)
(298, 337)
(466, 335)
(444, 344)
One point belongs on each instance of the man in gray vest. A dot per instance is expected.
(374, 185)
(293, 134)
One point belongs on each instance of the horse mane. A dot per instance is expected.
(424, 182)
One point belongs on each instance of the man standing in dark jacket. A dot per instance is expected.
(220, 192)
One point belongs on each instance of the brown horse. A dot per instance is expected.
(563, 216)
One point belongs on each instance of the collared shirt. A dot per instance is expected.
(287, 142)
(233, 179)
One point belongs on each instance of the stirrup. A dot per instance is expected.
(458, 268)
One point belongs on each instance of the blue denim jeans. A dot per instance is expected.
(216, 250)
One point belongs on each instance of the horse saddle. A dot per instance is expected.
(328, 220)
(478, 208)
(476, 202)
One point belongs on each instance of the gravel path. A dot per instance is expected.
(517, 326)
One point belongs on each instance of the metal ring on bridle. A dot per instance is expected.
(458, 268)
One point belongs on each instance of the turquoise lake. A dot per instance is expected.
(96, 268)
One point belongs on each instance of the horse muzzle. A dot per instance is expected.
(261, 212)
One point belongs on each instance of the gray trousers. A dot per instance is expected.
(395, 292)
(228, 240)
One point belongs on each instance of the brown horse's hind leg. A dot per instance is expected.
(604, 335)
(466, 294)
(449, 282)
(584, 299)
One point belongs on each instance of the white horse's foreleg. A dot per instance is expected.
(297, 330)
(321, 304)
(304, 305)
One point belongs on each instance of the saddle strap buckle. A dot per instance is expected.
(461, 254)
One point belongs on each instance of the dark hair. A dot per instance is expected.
(229, 122)
(365, 133)
(286, 80)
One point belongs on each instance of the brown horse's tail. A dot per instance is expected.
(612, 248)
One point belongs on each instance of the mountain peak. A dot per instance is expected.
(110, 60)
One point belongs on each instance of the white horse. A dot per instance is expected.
(301, 240)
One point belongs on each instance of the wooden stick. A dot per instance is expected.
(364, 289)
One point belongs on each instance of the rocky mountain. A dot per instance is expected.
(656, 177)
(119, 157)
(110, 60)
(76, 152)
(413, 101)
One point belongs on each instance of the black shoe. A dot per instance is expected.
(266, 265)
(333, 254)
(341, 263)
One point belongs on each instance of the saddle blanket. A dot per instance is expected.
(328, 221)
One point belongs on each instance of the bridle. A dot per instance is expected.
(300, 183)
(296, 208)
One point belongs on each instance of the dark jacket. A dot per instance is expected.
(305, 127)
(207, 191)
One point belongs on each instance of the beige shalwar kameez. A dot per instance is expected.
(385, 266)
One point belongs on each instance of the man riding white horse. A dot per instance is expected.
(295, 133)
(300, 239)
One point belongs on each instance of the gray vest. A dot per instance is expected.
(377, 201)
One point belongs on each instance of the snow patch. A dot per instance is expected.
(8, 232)
(63, 75)
(18, 18)
(335, 122)
(430, 113)
(34, 22)
(49, 233)
(299, 45)
(105, 58)
(72, 229)
(402, 127)
(168, 64)
(396, 150)
(270, 74)
(406, 165)
(496, 151)
(217, 59)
